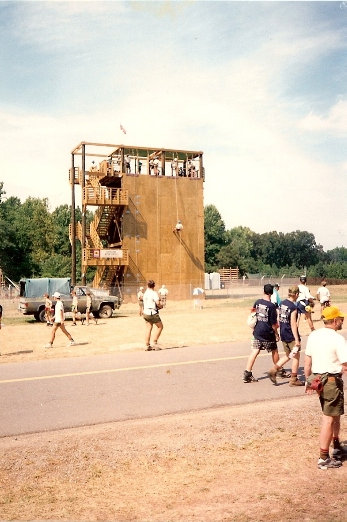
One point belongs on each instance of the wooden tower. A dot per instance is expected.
(148, 220)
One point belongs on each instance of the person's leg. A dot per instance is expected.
(275, 356)
(64, 330)
(326, 435)
(54, 329)
(251, 359)
(308, 316)
(160, 327)
(148, 332)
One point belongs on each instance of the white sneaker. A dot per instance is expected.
(48, 345)
(72, 343)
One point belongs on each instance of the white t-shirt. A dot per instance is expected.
(304, 293)
(150, 297)
(59, 312)
(328, 350)
(323, 293)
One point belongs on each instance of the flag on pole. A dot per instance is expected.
(122, 129)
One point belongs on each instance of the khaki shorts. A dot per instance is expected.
(153, 319)
(288, 347)
(331, 398)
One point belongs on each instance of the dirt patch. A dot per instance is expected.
(220, 320)
(253, 462)
(241, 463)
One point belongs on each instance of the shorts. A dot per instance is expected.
(332, 397)
(288, 347)
(152, 319)
(301, 306)
(270, 346)
(73, 308)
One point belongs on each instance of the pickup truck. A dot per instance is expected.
(103, 304)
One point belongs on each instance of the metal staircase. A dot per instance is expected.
(103, 237)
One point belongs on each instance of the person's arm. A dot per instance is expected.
(344, 367)
(308, 366)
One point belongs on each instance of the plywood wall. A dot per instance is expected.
(156, 250)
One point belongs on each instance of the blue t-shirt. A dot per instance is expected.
(286, 309)
(266, 317)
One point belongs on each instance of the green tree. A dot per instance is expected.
(214, 237)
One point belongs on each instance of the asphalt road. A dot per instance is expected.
(62, 393)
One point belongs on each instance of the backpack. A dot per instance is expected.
(252, 320)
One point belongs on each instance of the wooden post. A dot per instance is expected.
(84, 208)
(73, 224)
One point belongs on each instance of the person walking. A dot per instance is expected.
(59, 318)
(151, 306)
(290, 338)
(163, 293)
(325, 360)
(305, 301)
(265, 334)
(140, 300)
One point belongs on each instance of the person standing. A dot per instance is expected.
(163, 292)
(325, 360)
(275, 298)
(305, 301)
(290, 338)
(140, 300)
(323, 295)
(89, 314)
(48, 310)
(151, 306)
(265, 334)
(59, 318)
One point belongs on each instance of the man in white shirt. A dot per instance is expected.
(325, 360)
(305, 301)
(151, 306)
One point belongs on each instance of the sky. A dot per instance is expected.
(259, 87)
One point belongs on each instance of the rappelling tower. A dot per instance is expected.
(148, 216)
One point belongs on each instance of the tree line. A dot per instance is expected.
(272, 253)
(35, 243)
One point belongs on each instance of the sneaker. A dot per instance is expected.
(248, 377)
(157, 347)
(72, 343)
(283, 374)
(340, 453)
(148, 348)
(296, 382)
(329, 463)
(48, 345)
(272, 376)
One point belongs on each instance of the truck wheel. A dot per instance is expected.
(105, 312)
(41, 316)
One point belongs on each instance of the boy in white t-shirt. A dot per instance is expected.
(59, 318)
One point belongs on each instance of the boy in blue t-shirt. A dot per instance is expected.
(265, 335)
(288, 315)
